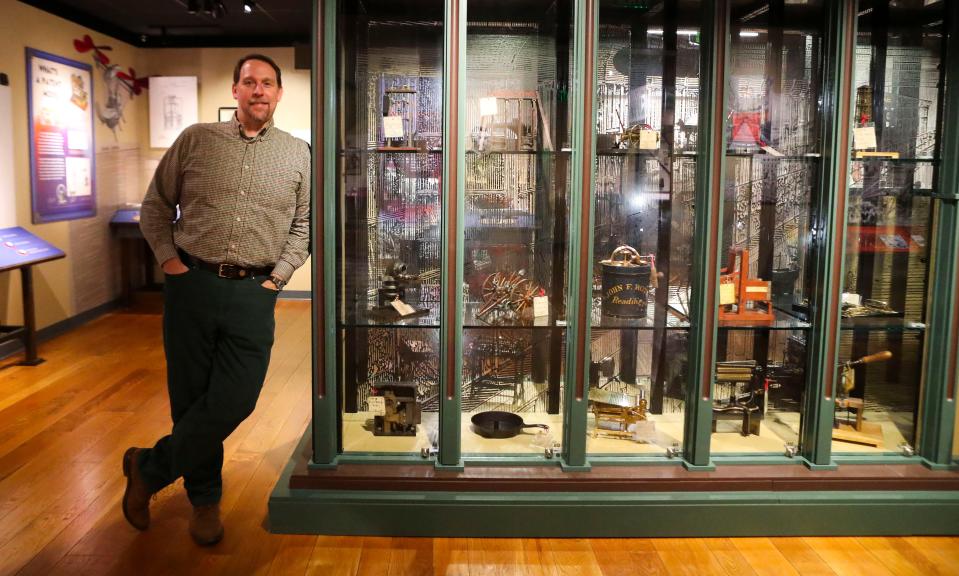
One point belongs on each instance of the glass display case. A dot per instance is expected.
(571, 254)
(517, 164)
(894, 175)
(627, 232)
(773, 156)
(389, 183)
(647, 114)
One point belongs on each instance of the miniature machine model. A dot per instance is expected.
(399, 118)
(616, 413)
(394, 284)
(743, 299)
(750, 405)
(401, 410)
(635, 137)
(508, 294)
(390, 296)
(517, 123)
(626, 278)
(857, 432)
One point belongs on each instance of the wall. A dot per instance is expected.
(214, 69)
(89, 276)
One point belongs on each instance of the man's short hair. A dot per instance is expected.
(261, 58)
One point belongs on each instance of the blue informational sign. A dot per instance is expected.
(62, 159)
(126, 216)
(20, 248)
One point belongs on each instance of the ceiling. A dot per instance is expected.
(167, 23)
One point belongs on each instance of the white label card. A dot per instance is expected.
(851, 298)
(648, 139)
(487, 106)
(540, 306)
(377, 405)
(393, 126)
(643, 431)
(727, 294)
(403, 308)
(864, 138)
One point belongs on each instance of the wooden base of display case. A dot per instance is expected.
(417, 499)
(867, 434)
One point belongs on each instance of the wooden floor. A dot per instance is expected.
(65, 424)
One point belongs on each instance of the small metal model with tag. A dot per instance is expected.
(401, 410)
(626, 282)
(741, 298)
(390, 297)
(616, 414)
(858, 431)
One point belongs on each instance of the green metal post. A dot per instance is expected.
(454, 190)
(829, 230)
(579, 292)
(323, 105)
(939, 395)
(710, 168)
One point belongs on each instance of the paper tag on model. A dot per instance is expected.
(392, 126)
(376, 405)
(727, 294)
(864, 138)
(403, 308)
(487, 106)
(648, 139)
(540, 306)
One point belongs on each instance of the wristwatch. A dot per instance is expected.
(277, 281)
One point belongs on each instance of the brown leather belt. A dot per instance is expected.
(224, 270)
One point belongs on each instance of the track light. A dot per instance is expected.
(249, 6)
(192, 6)
(214, 8)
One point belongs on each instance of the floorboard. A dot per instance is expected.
(65, 424)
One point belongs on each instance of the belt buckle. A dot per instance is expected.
(220, 271)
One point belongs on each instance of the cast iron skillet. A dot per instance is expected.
(500, 424)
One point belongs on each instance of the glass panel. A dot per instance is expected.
(517, 182)
(389, 165)
(647, 112)
(772, 182)
(893, 173)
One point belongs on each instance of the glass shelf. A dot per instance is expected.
(873, 160)
(765, 156)
(781, 321)
(368, 318)
(881, 324)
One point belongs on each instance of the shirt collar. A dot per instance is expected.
(264, 133)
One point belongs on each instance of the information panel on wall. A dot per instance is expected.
(60, 104)
(8, 212)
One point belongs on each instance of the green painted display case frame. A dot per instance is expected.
(462, 511)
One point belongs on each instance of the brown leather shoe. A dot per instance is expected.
(205, 525)
(136, 497)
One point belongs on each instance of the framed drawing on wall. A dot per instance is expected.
(173, 107)
(226, 113)
(60, 116)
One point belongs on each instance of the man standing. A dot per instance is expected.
(243, 192)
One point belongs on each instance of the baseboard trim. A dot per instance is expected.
(12, 347)
(296, 295)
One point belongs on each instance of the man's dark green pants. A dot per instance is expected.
(217, 334)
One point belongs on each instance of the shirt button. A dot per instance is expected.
(232, 245)
(237, 218)
(245, 167)
(242, 192)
